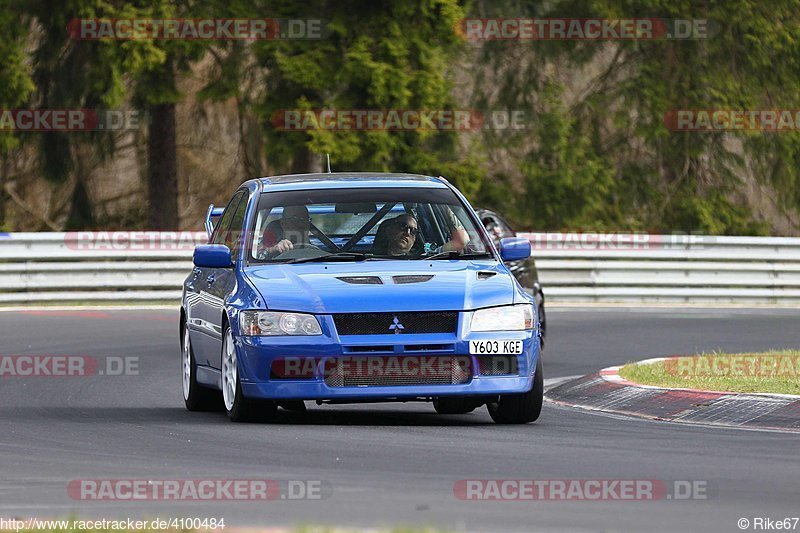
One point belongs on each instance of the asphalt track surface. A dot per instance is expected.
(386, 464)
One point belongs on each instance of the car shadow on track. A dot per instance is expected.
(367, 415)
(372, 416)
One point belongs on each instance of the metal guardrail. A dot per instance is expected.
(668, 268)
(147, 266)
(95, 267)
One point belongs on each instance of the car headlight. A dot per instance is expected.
(506, 318)
(255, 323)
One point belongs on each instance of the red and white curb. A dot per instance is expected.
(608, 392)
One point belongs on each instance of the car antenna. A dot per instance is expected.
(329, 162)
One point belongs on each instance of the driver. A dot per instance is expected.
(292, 228)
(402, 233)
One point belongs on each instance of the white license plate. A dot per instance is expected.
(495, 347)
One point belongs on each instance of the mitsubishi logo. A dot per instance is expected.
(396, 326)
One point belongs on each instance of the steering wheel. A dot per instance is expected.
(303, 245)
(299, 247)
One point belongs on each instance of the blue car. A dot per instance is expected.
(357, 287)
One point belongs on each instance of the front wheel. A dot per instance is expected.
(520, 408)
(239, 408)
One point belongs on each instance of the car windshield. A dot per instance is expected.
(363, 224)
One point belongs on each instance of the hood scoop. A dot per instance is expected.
(361, 280)
(486, 274)
(418, 278)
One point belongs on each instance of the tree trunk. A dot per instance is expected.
(162, 172)
(301, 163)
(80, 211)
(3, 196)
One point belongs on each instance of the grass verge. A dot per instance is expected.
(774, 371)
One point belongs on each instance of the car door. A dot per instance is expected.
(492, 225)
(221, 282)
(204, 328)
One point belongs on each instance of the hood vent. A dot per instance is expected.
(400, 280)
(486, 274)
(361, 280)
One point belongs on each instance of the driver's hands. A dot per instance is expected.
(458, 240)
(282, 246)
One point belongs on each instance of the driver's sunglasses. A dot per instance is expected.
(406, 228)
(296, 218)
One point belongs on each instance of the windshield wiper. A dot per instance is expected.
(336, 256)
(453, 254)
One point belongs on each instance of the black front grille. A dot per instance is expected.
(429, 348)
(497, 365)
(391, 323)
(367, 349)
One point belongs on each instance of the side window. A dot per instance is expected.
(454, 221)
(221, 231)
(493, 229)
(234, 238)
(447, 221)
(506, 229)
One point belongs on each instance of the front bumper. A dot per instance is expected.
(256, 355)
(318, 390)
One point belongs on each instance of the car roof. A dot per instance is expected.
(343, 180)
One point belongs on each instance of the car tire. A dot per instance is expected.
(196, 397)
(452, 406)
(543, 322)
(520, 408)
(238, 407)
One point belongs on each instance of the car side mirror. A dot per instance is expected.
(212, 256)
(515, 248)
